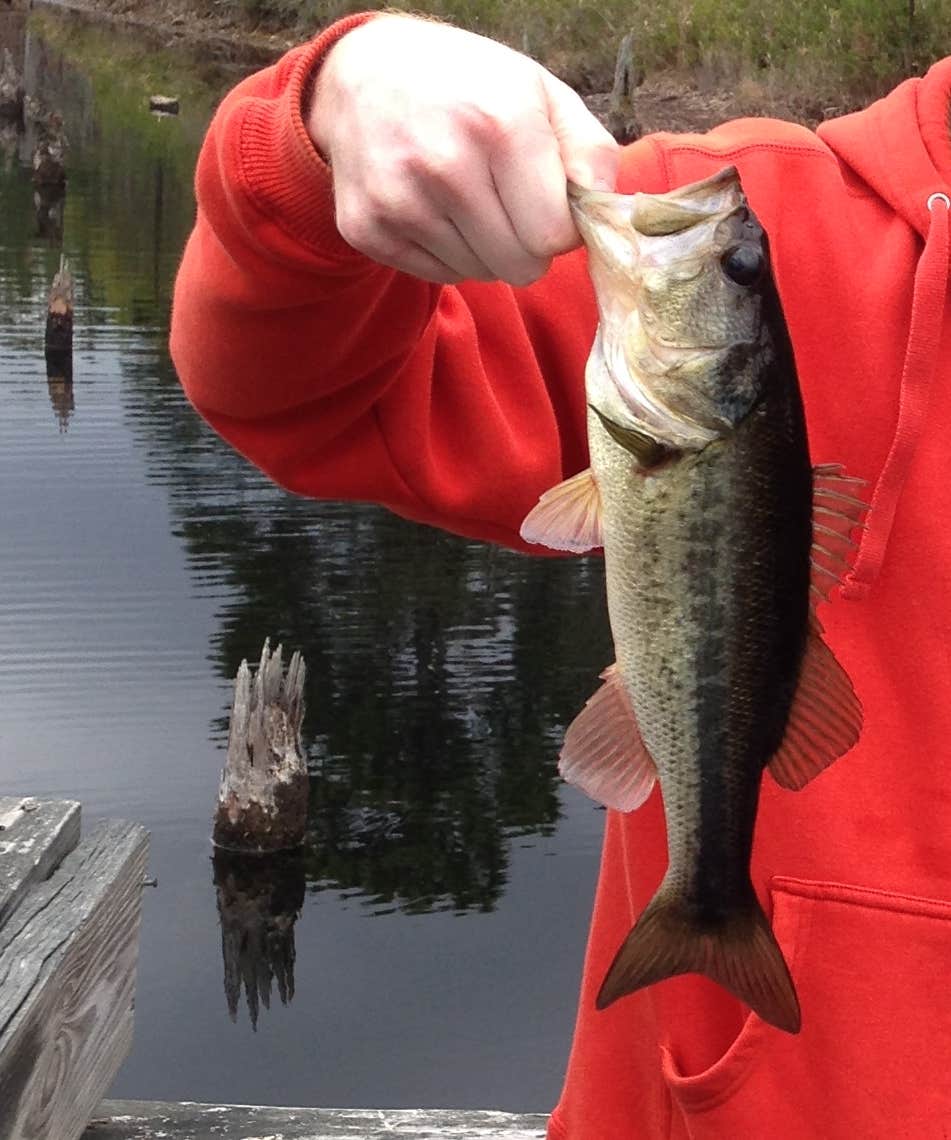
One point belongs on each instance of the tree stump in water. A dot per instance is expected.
(11, 90)
(59, 325)
(621, 120)
(262, 801)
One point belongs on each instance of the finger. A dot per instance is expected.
(418, 262)
(443, 239)
(530, 181)
(361, 229)
(400, 231)
(483, 221)
(589, 155)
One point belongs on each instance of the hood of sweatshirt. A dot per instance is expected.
(901, 147)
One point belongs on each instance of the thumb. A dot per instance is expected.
(589, 153)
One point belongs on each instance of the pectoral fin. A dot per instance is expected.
(568, 517)
(825, 719)
(648, 451)
(604, 754)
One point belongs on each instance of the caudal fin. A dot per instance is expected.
(740, 953)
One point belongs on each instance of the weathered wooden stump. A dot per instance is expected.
(144, 1120)
(259, 901)
(59, 325)
(69, 927)
(11, 90)
(262, 800)
(49, 203)
(49, 153)
(621, 119)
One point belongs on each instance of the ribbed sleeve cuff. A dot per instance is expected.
(283, 173)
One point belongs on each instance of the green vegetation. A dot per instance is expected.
(856, 47)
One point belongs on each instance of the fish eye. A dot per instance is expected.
(743, 264)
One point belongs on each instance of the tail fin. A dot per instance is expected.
(740, 953)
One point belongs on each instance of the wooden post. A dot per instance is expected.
(49, 203)
(262, 800)
(59, 325)
(69, 927)
(621, 120)
(11, 90)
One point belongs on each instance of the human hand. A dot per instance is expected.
(450, 152)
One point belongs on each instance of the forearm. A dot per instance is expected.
(343, 378)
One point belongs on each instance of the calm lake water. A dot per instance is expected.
(445, 890)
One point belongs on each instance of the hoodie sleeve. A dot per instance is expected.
(340, 378)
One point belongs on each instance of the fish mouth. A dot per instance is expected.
(653, 215)
(624, 234)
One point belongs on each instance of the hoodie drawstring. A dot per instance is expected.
(921, 360)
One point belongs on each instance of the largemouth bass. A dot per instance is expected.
(719, 538)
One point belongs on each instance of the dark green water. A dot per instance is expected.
(445, 891)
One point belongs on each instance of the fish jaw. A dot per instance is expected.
(676, 351)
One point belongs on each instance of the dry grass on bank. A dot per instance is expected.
(838, 53)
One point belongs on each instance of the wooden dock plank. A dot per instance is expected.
(67, 981)
(35, 837)
(147, 1120)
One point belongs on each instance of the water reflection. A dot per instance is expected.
(149, 560)
(259, 901)
(61, 396)
(442, 672)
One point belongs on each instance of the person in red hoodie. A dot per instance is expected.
(383, 300)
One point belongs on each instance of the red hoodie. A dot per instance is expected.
(458, 406)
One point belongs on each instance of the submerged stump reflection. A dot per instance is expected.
(259, 900)
(59, 326)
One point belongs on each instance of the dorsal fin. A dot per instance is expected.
(825, 719)
(836, 512)
(568, 516)
(604, 754)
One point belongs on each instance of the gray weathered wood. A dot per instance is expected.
(67, 981)
(49, 155)
(35, 837)
(262, 800)
(147, 1120)
(59, 316)
(11, 88)
(621, 118)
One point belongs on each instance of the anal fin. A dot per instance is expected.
(604, 754)
(825, 719)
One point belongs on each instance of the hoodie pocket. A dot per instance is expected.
(873, 1059)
